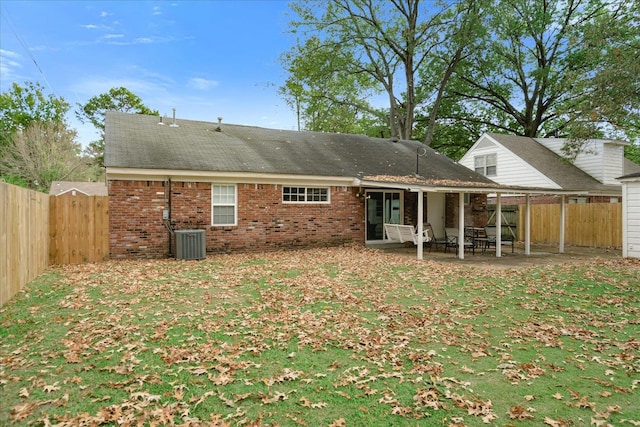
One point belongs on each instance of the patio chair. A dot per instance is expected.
(492, 238)
(434, 239)
(451, 234)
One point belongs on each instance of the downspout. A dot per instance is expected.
(170, 227)
(167, 220)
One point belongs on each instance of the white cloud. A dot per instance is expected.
(157, 11)
(9, 64)
(202, 84)
(90, 26)
(112, 36)
(9, 54)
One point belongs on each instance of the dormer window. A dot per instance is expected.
(486, 164)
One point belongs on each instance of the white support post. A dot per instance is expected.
(498, 226)
(562, 222)
(527, 225)
(461, 225)
(420, 225)
(625, 220)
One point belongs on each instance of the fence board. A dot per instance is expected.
(24, 238)
(79, 231)
(586, 224)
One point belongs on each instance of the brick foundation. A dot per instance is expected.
(264, 221)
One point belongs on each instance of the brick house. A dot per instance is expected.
(255, 189)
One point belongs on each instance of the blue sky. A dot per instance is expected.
(207, 59)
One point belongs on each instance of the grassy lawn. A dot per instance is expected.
(327, 337)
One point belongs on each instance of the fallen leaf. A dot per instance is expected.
(519, 413)
(50, 388)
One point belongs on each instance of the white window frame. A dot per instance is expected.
(233, 204)
(308, 193)
(482, 163)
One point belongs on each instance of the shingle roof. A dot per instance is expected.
(138, 141)
(559, 170)
(631, 175)
(89, 188)
(629, 167)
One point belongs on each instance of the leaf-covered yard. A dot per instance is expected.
(326, 337)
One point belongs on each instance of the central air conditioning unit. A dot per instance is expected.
(190, 244)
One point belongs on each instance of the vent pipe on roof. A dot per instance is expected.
(219, 128)
(160, 122)
(174, 125)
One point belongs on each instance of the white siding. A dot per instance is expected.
(631, 216)
(589, 160)
(613, 165)
(511, 169)
(601, 159)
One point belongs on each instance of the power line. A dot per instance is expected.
(24, 45)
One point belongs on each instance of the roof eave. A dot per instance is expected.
(131, 174)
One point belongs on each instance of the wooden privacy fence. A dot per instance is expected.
(24, 238)
(79, 229)
(586, 224)
(37, 230)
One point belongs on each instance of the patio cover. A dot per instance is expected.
(420, 185)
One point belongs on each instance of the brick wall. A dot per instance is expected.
(475, 212)
(264, 222)
(135, 219)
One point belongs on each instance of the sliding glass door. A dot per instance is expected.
(383, 207)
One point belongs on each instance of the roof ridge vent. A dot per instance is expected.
(174, 125)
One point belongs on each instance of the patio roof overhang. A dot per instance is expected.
(416, 184)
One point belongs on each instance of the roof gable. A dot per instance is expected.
(59, 188)
(558, 170)
(511, 168)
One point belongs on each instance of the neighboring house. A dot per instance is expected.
(59, 188)
(258, 189)
(630, 215)
(538, 162)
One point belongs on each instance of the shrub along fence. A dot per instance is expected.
(586, 224)
(37, 230)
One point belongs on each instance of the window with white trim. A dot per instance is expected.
(223, 205)
(305, 194)
(486, 164)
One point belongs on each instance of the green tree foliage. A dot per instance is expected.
(446, 72)
(609, 93)
(22, 105)
(326, 96)
(632, 152)
(93, 111)
(40, 153)
(357, 61)
(548, 68)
